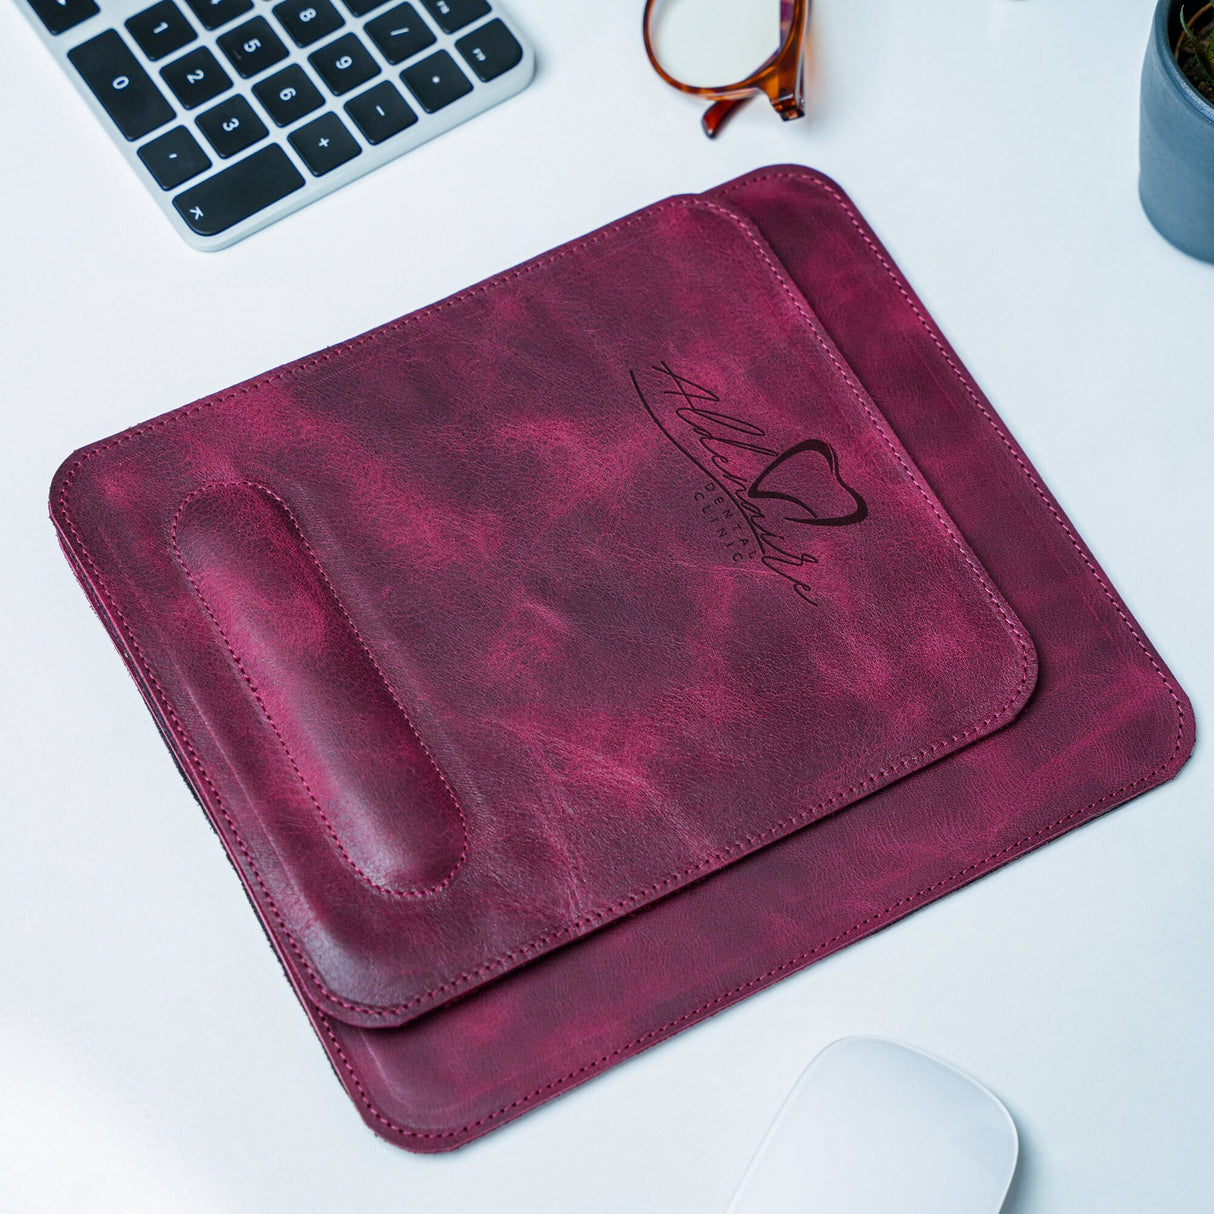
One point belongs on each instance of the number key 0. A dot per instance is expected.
(125, 90)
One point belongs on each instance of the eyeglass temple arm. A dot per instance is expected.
(716, 114)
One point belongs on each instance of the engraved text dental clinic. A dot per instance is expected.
(767, 493)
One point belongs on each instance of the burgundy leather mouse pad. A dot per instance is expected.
(567, 660)
(516, 615)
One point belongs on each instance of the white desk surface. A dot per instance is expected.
(151, 1055)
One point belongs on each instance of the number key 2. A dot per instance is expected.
(196, 77)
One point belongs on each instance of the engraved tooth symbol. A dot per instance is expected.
(797, 477)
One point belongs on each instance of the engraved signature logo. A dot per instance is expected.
(776, 492)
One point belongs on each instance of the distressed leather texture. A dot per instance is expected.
(563, 662)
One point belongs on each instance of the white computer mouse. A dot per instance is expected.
(876, 1127)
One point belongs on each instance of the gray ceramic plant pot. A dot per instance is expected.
(1175, 143)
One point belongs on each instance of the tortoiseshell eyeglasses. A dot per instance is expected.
(780, 77)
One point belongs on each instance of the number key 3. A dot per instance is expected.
(231, 126)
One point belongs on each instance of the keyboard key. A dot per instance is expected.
(308, 21)
(174, 157)
(250, 185)
(380, 113)
(125, 90)
(61, 15)
(360, 8)
(214, 13)
(324, 144)
(288, 95)
(252, 47)
(344, 64)
(196, 78)
(161, 30)
(453, 15)
(232, 126)
(400, 33)
(436, 81)
(490, 50)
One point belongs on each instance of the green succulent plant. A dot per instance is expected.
(1201, 49)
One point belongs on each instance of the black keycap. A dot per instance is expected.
(380, 113)
(436, 81)
(124, 89)
(288, 95)
(490, 50)
(214, 13)
(248, 186)
(252, 47)
(231, 126)
(360, 8)
(323, 144)
(61, 15)
(196, 77)
(344, 64)
(161, 30)
(174, 157)
(400, 33)
(453, 15)
(308, 21)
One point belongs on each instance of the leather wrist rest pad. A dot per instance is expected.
(624, 597)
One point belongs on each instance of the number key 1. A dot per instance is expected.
(288, 95)
(160, 30)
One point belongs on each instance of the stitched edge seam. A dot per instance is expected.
(653, 1035)
(860, 226)
(575, 926)
(720, 1001)
(417, 892)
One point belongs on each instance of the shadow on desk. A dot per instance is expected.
(1018, 1195)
